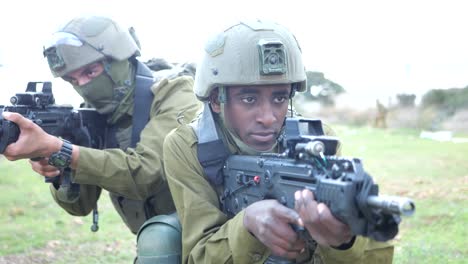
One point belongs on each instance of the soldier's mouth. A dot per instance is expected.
(263, 137)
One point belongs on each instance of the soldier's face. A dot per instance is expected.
(256, 113)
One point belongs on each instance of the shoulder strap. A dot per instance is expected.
(211, 150)
(142, 101)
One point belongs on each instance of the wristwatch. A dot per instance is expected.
(62, 158)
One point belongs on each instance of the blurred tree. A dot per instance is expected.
(450, 100)
(439, 105)
(321, 89)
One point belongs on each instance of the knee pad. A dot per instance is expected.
(159, 240)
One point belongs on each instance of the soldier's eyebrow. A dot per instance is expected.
(247, 90)
(283, 92)
(93, 66)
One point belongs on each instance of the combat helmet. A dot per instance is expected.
(85, 40)
(250, 53)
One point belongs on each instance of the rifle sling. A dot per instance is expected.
(211, 150)
(142, 101)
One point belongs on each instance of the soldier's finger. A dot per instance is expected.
(286, 214)
(307, 194)
(15, 117)
(327, 218)
(284, 253)
(40, 161)
(281, 231)
(298, 200)
(310, 216)
(45, 170)
(273, 238)
(308, 212)
(338, 231)
(51, 174)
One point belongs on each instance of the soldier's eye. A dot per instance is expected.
(91, 73)
(248, 100)
(280, 99)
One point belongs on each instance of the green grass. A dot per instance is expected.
(434, 174)
(33, 229)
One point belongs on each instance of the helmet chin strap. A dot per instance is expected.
(291, 95)
(243, 147)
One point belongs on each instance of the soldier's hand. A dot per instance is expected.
(269, 222)
(32, 142)
(319, 221)
(42, 167)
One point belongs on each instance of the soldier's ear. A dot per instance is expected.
(214, 101)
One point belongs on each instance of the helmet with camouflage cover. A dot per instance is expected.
(85, 40)
(250, 53)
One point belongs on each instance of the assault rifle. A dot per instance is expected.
(82, 126)
(310, 162)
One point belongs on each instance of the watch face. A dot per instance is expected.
(59, 161)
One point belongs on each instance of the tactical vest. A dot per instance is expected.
(135, 212)
(211, 150)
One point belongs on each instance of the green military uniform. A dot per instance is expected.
(247, 53)
(135, 173)
(208, 236)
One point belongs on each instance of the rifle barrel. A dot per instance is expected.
(392, 204)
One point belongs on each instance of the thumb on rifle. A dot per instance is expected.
(14, 117)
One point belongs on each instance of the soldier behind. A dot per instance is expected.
(98, 58)
(381, 115)
(249, 74)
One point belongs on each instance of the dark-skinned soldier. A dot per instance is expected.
(248, 74)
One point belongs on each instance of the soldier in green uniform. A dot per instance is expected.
(247, 77)
(98, 58)
(380, 120)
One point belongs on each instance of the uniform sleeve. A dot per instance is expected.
(137, 172)
(87, 200)
(207, 235)
(363, 251)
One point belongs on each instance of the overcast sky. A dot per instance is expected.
(373, 48)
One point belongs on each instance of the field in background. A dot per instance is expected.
(33, 229)
(435, 174)
(357, 113)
